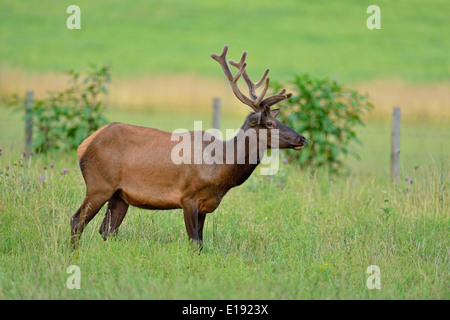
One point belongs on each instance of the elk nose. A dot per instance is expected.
(302, 140)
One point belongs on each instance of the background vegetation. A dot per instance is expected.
(300, 234)
(321, 37)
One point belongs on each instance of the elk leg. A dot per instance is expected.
(190, 212)
(201, 221)
(91, 205)
(117, 209)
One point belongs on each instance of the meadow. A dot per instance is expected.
(300, 234)
(176, 37)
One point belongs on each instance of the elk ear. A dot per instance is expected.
(274, 112)
(255, 119)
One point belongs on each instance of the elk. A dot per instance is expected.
(130, 165)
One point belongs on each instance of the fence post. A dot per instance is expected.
(216, 114)
(395, 143)
(29, 121)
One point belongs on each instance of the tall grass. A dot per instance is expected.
(312, 238)
(300, 235)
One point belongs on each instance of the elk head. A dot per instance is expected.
(262, 117)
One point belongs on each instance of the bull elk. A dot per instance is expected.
(130, 165)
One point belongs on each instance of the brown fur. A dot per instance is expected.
(129, 165)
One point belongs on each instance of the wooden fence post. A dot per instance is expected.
(395, 143)
(29, 121)
(216, 114)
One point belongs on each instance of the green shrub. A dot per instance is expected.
(65, 118)
(326, 113)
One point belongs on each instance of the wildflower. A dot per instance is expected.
(326, 264)
(45, 167)
(268, 179)
(51, 165)
(406, 178)
(410, 181)
(24, 154)
(42, 177)
(0, 151)
(8, 167)
(285, 161)
(64, 171)
(21, 164)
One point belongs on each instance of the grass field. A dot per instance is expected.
(159, 50)
(299, 235)
(159, 37)
(314, 237)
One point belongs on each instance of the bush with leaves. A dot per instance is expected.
(326, 113)
(65, 118)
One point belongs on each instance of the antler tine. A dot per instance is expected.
(233, 80)
(270, 101)
(263, 93)
(257, 103)
(251, 86)
(221, 59)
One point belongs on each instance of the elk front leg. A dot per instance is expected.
(190, 212)
(201, 222)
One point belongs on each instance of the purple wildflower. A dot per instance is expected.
(45, 167)
(64, 171)
(410, 181)
(268, 179)
(285, 161)
(51, 165)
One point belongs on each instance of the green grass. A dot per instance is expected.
(300, 235)
(324, 38)
(312, 238)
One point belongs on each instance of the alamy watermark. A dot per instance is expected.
(240, 147)
(374, 20)
(74, 20)
(374, 280)
(74, 280)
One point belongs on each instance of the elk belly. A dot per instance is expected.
(148, 200)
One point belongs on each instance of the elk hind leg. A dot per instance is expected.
(91, 205)
(117, 209)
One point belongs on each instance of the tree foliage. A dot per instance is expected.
(65, 118)
(327, 114)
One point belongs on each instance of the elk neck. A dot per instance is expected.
(242, 155)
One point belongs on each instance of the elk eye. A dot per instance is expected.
(269, 124)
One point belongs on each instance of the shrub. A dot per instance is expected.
(326, 113)
(65, 118)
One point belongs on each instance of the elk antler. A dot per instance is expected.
(257, 103)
